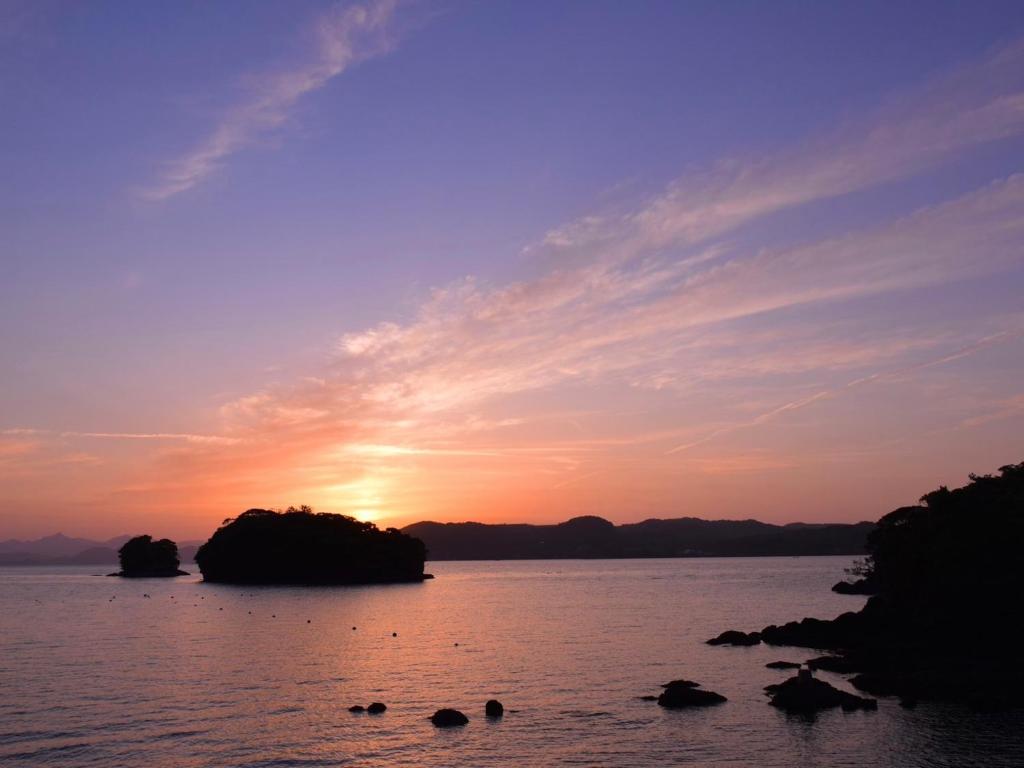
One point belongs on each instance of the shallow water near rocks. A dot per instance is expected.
(94, 674)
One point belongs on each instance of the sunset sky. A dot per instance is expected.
(505, 261)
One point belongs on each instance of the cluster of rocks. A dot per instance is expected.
(805, 694)
(374, 709)
(442, 718)
(807, 633)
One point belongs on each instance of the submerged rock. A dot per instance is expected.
(684, 696)
(734, 637)
(840, 664)
(447, 718)
(357, 708)
(816, 633)
(858, 587)
(681, 684)
(782, 665)
(376, 708)
(494, 708)
(647, 698)
(805, 694)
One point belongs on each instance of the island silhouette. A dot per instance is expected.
(300, 546)
(142, 557)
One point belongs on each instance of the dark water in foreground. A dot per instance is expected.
(213, 678)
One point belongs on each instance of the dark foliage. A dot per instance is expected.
(298, 546)
(953, 564)
(943, 622)
(142, 556)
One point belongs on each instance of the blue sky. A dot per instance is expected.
(203, 201)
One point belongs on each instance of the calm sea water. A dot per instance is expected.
(92, 673)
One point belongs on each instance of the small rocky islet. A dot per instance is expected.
(143, 558)
(805, 694)
(300, 546)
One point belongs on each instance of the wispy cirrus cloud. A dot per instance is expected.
(186, 437)
(979, 102)
(344, 36)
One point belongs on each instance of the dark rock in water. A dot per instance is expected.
(684, 696)
(143, 558)
(804, 694)
(300, 547)
(878, 684)
(647, 698)
(376, 708)
(840, 664)
(858, 587)
(681, 684)
(357, 708)
(815, 633)
(733, 637)
(447, 718)
(494, 708)
(782, 665)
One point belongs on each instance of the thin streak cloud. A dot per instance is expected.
(344, 36)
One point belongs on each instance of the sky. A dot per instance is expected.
(505, 261)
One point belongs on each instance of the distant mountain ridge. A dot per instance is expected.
(58, 549)
(580, 537)
(595, 537)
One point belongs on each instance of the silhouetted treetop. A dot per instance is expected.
(300, 546)
(955, 558)
(944, 618)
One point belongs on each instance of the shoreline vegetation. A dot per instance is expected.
(942, 622)
(299, 546)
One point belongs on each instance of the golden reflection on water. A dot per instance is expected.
(94, 674)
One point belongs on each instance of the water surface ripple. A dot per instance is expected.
(94, 674)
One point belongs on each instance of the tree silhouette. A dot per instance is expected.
(953, 562)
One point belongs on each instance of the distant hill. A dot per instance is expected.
(581, 537)
(595, 537)
(59, 549)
